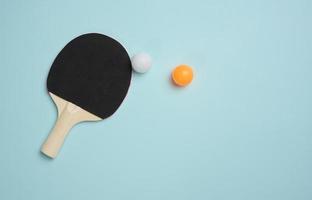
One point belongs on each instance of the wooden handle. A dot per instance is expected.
(69, 114)
(56, 138)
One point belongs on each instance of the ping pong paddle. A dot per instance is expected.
(88, 81)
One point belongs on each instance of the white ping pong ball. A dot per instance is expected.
(141, 62)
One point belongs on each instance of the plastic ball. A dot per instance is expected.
(182, 75)
(141, 62)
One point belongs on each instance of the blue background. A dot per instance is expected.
(241, 130)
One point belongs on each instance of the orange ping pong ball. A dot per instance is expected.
(182, 75)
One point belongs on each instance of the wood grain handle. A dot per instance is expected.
(56, 138)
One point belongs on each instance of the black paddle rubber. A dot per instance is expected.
(93, 71)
